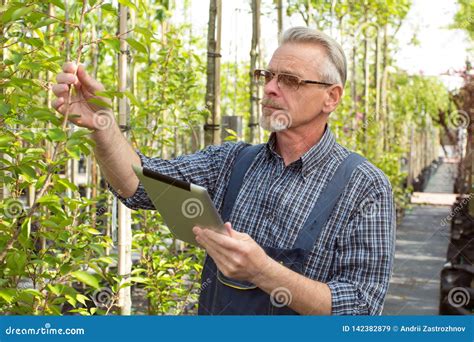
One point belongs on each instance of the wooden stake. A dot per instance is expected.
(124, 215)
(212, 127)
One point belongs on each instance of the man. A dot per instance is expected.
(310, 225)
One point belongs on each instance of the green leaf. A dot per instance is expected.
(71, 300)
(34, 293)
(34, 150)
(129, 4)
(57, 134)
(137, 45)
(86, 278)
(114, 43)
(44, 115)
(4, 108)
(6, 139)
(79, 134)
(28, 171)
(21, 12)
(144, 31)
(35, 42)
(74, 152)
(16, 262)
(45, 22)
(57, 3)
(48, 199)
(141, 280)
(99, 102)
(132, 98)
(54, 289)
(24, 237)
(107, 260)
(93, 231)
(49, 224)
(67, 184)
(109, 8)
(81, 298)
(7, 294)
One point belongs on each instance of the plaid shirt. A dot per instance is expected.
(354, 253)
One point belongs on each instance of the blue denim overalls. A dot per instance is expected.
(221, 295)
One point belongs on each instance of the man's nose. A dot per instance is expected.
(272, 88)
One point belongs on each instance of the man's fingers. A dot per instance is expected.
(69, 67)
(87, 81)
(228, 228)
(219, 241)
(218, 255)
(66, 78)
(58, 104)
(60, 90)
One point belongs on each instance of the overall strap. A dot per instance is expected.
(326, 202)
(241, 164)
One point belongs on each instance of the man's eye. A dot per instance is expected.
(289, 80)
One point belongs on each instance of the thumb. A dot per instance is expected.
(88, 82)
(230, 231)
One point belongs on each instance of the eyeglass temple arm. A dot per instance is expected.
(316, 82)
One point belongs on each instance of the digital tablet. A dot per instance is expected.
(182, 205)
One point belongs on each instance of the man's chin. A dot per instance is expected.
(269, 124)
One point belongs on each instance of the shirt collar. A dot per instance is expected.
(314, 156)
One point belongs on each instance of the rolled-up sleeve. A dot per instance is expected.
(364, 256)
(201, 168)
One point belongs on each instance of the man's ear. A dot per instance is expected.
(333, 97)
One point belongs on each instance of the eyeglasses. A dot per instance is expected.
(284, 80)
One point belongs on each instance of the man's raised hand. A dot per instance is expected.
(82, 112)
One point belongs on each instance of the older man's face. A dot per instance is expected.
(283, 107)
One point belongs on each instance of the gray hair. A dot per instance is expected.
(335, 66)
